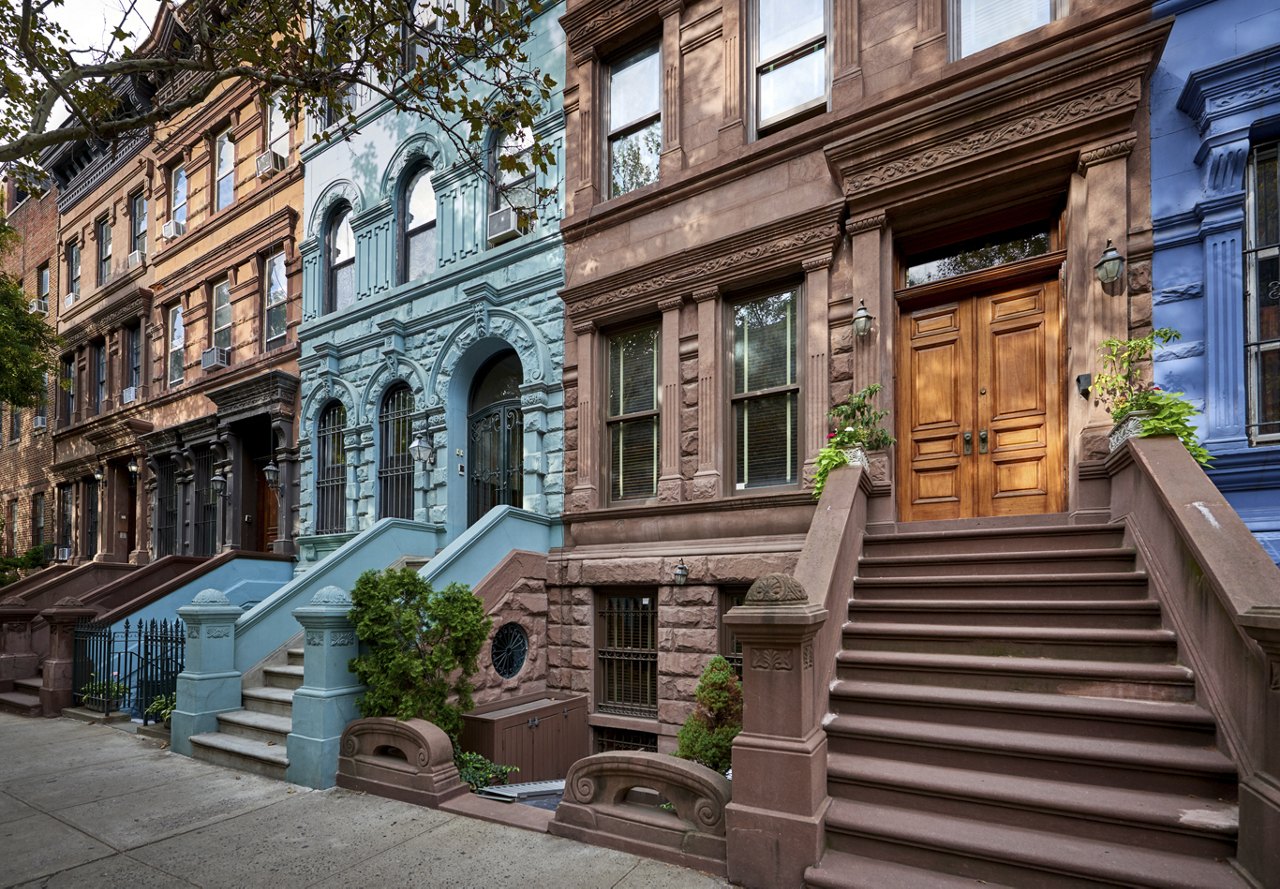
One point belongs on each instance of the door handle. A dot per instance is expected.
(982, 441)
(968, 443)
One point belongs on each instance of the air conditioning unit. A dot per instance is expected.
(38, 422)
(270, 163)
(70, 299)
(504, 225)
(39, 307)
(215, 358)
(135, 259)
(172, 229)
(63, 554)
(129, 394)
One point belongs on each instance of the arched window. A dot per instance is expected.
(340, 257)
(418, 222)
(395, 464)
(331, 469)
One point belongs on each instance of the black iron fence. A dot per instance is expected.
(126, 669)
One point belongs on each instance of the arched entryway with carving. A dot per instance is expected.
(495, 437)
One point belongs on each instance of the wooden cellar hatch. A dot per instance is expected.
(543, 734)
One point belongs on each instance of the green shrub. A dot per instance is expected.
(12, 567)
(479, 772)
(707, 735)
(420, 647)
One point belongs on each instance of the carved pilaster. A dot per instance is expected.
(670, 485)
(706, 481)
(585, 494)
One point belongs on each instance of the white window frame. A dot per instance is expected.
(220, 298)
(279, 142)
(955, 15)
(223, 138)
(781, 59)
(628, 128)
(175, 344)
(178, 209)
(274, 299)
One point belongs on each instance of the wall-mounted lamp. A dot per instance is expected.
(271, 472)
(862, 319)
(133, 467)
(422, 452)
(1109, 268)
(97, 474)
(219, 484)
(681, 573)
(1084, 382)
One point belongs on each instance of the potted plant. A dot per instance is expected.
(103, 695)
(162, 707)
(1139, 407)
(856, 429)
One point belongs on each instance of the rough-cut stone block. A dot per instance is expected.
(674, 712)
(689, 394)
(694, 595)
(689, 443)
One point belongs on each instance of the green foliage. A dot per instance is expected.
(1172, 416)
(104, 689)
(420, 647)
(857, 423)
(707, 735)
(11, 567)
(162, 706)
(479, 772)
(27, 343)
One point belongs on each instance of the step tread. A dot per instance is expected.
(1110, 670)
(1053, 606)
(20, 699)
(285, 669)
(299, 652)
(269, 693)
(1034, 849)
(1040, 745)
(1092, 578)
(275, 754)
(267, 722)
(844, 870)
(1166, 811)
(1091, 635)
(994, 555)
(33, 682)
(957, 528)
(1127, 709)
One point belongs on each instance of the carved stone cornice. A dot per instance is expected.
(671, 304)
(874, 222)
(705, 293)
(126, 305)
(816, 263)
(117, 435)
(274, 392)
(1120, 148)
(598, 21)
(1241, 84)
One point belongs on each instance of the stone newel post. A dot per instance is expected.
(209, 683)
(775, 822)
(56, 692)
(17, 660)
(1260, 792)
(326, 702)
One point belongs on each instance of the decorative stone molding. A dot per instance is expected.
(875, 222)
(816, 263)
(670, 304)
(1121, 148)
(705, 294)
(1240, 84)
(419, 147)
(423, 773)
(773, 589)
(338, 191)
(593, 23)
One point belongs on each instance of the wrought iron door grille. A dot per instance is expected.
(395, 464)
(627, 656)
(91, 518)
(497, 457)
(206, 505)
(166, 509)
(331, 471)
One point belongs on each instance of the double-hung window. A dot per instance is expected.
(178, 196)
(224, 186)
(73, 272)
(275, 298)
(633, 414)
(15, 424)
(138, 224)
(514, 188)
(222, 314)
(1262, 295)
(177, 341)
(99, 390)
(977, 24)
(419, 220)
(790, 59)
(278, 127)
(67, 386)
(104, 250)
(133, 356)
(635, 121)
(341, 250)
(42, 283)
(37, 519)
(765, 391)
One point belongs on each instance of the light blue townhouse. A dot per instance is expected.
(1215, 190)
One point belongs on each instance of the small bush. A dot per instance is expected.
(707, 735)
(479, 772)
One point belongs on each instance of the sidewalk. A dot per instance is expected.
(90, 806)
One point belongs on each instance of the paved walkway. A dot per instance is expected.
(90, 806)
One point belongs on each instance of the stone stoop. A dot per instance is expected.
(24, 700)
(1009, 711)
(256, 738)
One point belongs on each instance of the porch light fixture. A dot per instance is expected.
(1109, 267)
(422, 452)
(97, 474)
(271, 472)
(133, 467)
(862, 320)
(219, 484)
(681, 573)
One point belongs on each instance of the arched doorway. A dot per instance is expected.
(495, 437)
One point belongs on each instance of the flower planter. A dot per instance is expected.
(1129, 427)
(101, 705)
(856, 457)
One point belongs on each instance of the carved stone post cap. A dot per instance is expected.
(1262, 623)
(331, 596)
(776, 589)
(67, 610)
(211, 597)
(15, 609)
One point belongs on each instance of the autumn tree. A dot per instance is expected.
(27, 343)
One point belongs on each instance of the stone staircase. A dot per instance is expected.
(1008, 710)
(24, 699)
(255, 738)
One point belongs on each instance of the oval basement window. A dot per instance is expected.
(509, 649)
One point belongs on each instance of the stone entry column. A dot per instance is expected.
(56, 693)
(17, 660)
(209, 683)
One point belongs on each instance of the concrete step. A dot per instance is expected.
(1006, 587)
(1132, 614)
(1089, 643)
(29, 686)
(231, 751)
(958, 539)
(1106, 762)
(1012, 855)
(20, 703)
(1175, 823)
(1149, 682)
(296, 656)
(1098, 717)
(265, 699)
(287, 676)
(840, 870)
(264, 727)
(1053, 561)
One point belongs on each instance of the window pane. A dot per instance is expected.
(764, 343)
(422, 254)
(634, 89)
(985, 23)
(344, 286)
(278, 128)
(177, 339)
(765, 431)
(633, 159)
(787, 24)
(222, 315)
(422, 201)
(344, 240)
(790, 86)
(633, 372)
(1267, 200)
(277, 294)
(226, 152)
(984, 253)
(633, 457)
(179, 199)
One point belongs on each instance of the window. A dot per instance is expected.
(42, 282)
(11, 528)
(511, 187)
(978, 24)
(67, 386)
(37, 519)
(791, 59)
(278, 127)
(418, 213)
(633, 414)
(177, 341)
(99, 390)
(988, 251)
(730, 645)
(395, 463)
(1262, 296)
(133, 356)
(15, 424)
(635, 122)
(224, 185)
(42, 406)
(627, 654)
(765, 391)
(342, 262)
(66, 503)
(222, 314)
(275, 318)
(204, 530)
(331, 469)
(166, 518)
(138, 224)
(610, 739)
(104, 251)
(90, 518)
(178, 196)
(73, 272)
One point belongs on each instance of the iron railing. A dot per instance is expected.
(126, 669)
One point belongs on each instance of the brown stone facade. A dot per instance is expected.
(914, 151)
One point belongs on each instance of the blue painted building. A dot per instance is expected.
(432, 334)
(1215, 129)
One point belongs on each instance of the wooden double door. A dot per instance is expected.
(979, 406)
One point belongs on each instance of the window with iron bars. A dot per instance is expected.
(627, 654)
(331, 470)
(610, 739)
(166, 509)
(90, 518)
(395, 463)
(205, 536)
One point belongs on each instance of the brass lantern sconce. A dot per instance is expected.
(862, 320)
(1109, 270)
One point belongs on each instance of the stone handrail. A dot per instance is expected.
(599, 808)
(1221, 593)
(475, 553)
(409, 760)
